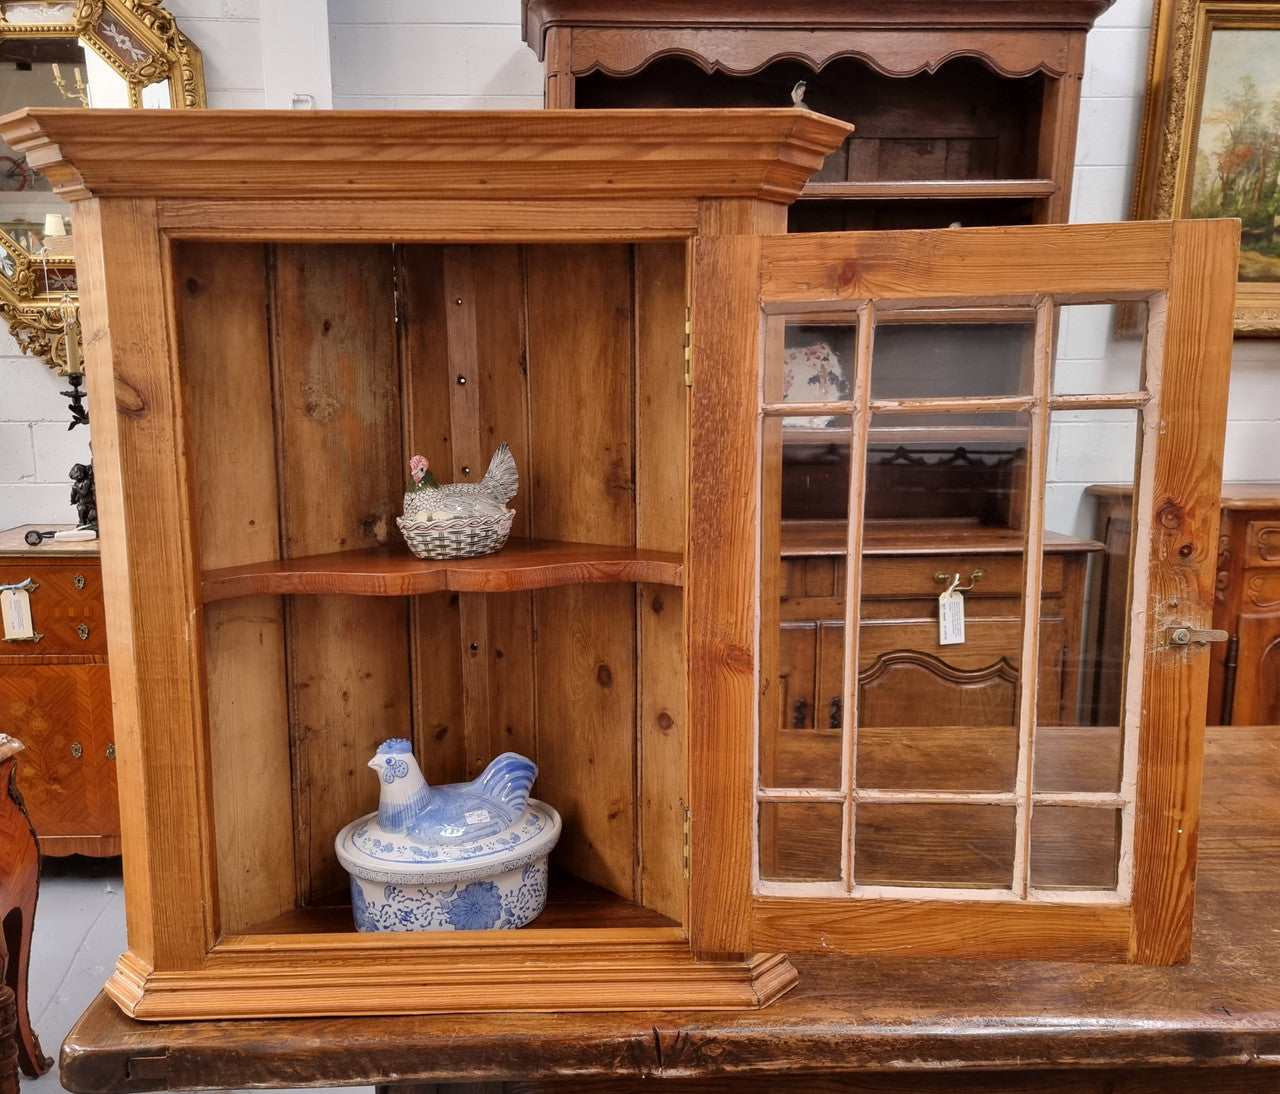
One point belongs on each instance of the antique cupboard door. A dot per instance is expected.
(929, 713)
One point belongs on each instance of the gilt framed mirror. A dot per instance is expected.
(99, 53)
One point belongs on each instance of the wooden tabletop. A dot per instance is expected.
(886, 1024)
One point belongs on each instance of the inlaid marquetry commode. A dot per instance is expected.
(55, 695)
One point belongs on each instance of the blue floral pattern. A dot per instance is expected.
(476, 908)
(505, 901)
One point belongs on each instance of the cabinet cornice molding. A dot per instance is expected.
(400, 155)
(761, 15)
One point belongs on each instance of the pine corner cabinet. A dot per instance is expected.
(280, 308)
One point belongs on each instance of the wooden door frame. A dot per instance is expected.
(1186, 269)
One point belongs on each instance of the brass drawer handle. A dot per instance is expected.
(77, 749)
(946, 579)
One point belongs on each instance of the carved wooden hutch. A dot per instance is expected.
(964, 110)
(282, 307)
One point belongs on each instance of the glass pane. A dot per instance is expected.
(1073, 847)
(941, 620)
(801, 841)
(1086, 582)
(802, 718)
(805, 749)
(951, 846)
(940, 354)
(815, 365)
(944, 757)
(815, 470)
(1099, 348)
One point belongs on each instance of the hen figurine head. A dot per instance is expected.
(392, 759)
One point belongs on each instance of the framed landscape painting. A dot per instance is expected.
(1211, 135)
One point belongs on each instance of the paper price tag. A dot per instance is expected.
(15, 607)
(950, 618)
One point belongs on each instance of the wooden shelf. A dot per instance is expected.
(947, 189)
(393, 571)
(571, 902)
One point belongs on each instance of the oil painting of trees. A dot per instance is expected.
(1237, 154)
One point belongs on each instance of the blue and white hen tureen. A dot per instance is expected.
(463, 856)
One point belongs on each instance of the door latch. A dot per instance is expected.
(1187, 636)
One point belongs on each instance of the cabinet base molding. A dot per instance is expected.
(461, 978)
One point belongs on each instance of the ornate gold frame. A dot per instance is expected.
(1176, 66)
(142, 42)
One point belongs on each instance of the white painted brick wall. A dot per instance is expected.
(442, 54)
(36, 447)
(431, 55)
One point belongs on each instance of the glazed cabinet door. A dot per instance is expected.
(894, 634)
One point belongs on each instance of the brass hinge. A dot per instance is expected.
(688, 347)
(686, 842)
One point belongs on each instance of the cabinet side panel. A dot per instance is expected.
(722, 589)
(661, 298)
(226, 378)
(144, 497)
(338, 419)
(581, 487)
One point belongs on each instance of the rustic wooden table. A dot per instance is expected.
(869, 1025)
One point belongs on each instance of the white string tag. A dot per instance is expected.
(15, 606)
(951, 615)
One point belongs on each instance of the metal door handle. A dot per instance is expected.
(1186, 636)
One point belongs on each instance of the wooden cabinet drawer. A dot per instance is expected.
(62, 713)
(66, 606)
(911, 576)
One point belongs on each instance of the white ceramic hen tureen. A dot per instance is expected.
(459, 519)
(463, 856)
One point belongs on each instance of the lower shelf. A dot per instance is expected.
(571, 904)
(589, 950)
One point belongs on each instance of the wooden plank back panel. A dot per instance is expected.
(226, 380)
(661, 300)
(338, 427)
(466, 392)
(581, 487)
(439, 735)
(504, 662)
